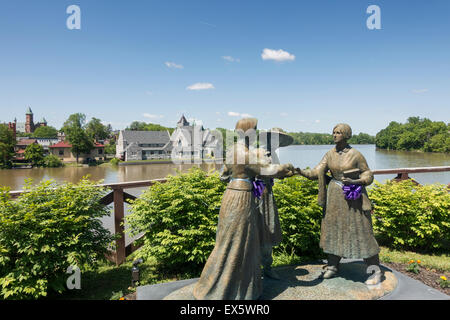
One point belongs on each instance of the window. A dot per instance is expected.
(61, 152)
(100, 151)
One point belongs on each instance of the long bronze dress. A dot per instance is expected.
(270, 233)
(346, 229)
(233, 270)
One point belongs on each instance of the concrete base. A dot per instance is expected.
(302, 282)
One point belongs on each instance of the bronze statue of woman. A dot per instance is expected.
(233, 270)
(346, 228)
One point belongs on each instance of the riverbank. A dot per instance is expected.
(167, 161)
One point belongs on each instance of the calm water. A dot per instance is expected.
(299, 156)
(310, 156)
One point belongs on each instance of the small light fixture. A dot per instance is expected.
(135, 272)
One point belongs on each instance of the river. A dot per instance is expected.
(299, 156)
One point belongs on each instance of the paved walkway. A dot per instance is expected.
(301, 283)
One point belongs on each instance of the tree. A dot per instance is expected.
(96, 130)
(415, 134)
(7, 143)
(142, 126)
(75, 130)
(45, 132)
(35, 154)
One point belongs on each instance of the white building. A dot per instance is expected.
(143, 145)
(192, 141)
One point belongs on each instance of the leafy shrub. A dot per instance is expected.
(300, 215)
(179, 218)
(52, 161)
(114, 161)
(46, 230)
(411, 217)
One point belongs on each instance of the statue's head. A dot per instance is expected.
(246, 124)
(344, 129)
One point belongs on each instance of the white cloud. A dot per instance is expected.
(284, 114)
(277, 55)
(173, 65)
(200, 86)
(420, 90)
(231, 59)
(152, 116)
(148, 92)
(237, 114)
(317, 121)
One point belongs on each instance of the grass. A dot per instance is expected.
(106, 282)
(439, 262)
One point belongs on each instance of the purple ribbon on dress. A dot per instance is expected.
(352, 191)
(258, 188)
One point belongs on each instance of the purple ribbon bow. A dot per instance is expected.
(258, 188)
(352, 191)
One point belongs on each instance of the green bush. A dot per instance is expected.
(52, 161)
(407, 216)
(300, 215)
(46, 230)
(179, 218)
(114, 161)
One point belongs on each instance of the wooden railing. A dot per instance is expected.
(118, 196)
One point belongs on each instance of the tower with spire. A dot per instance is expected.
(29, 124)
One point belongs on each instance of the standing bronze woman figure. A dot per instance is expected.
(346, 229)
(233, 270)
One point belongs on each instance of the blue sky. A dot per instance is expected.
(139, 60)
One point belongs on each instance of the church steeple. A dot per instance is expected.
(29, 111)
(182, 122)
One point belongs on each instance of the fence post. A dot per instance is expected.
(119, 228)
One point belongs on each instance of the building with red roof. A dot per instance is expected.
(63, 151)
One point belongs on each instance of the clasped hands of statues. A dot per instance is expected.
(345, 180)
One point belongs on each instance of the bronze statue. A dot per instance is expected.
(270, 228)
(233, 270)
(346, 229)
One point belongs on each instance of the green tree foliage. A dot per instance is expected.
(45, 132)
(7, 143)
(309, 138)
(142, 126)
(46, 230)
(75, 130)
(52, 161)
(362, 138)
(34, 153)
(415, 134)
(300, 215)
(97, 131)
(179, 218)
(413, 217)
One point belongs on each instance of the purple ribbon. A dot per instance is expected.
(258, 188)
(352, 191)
